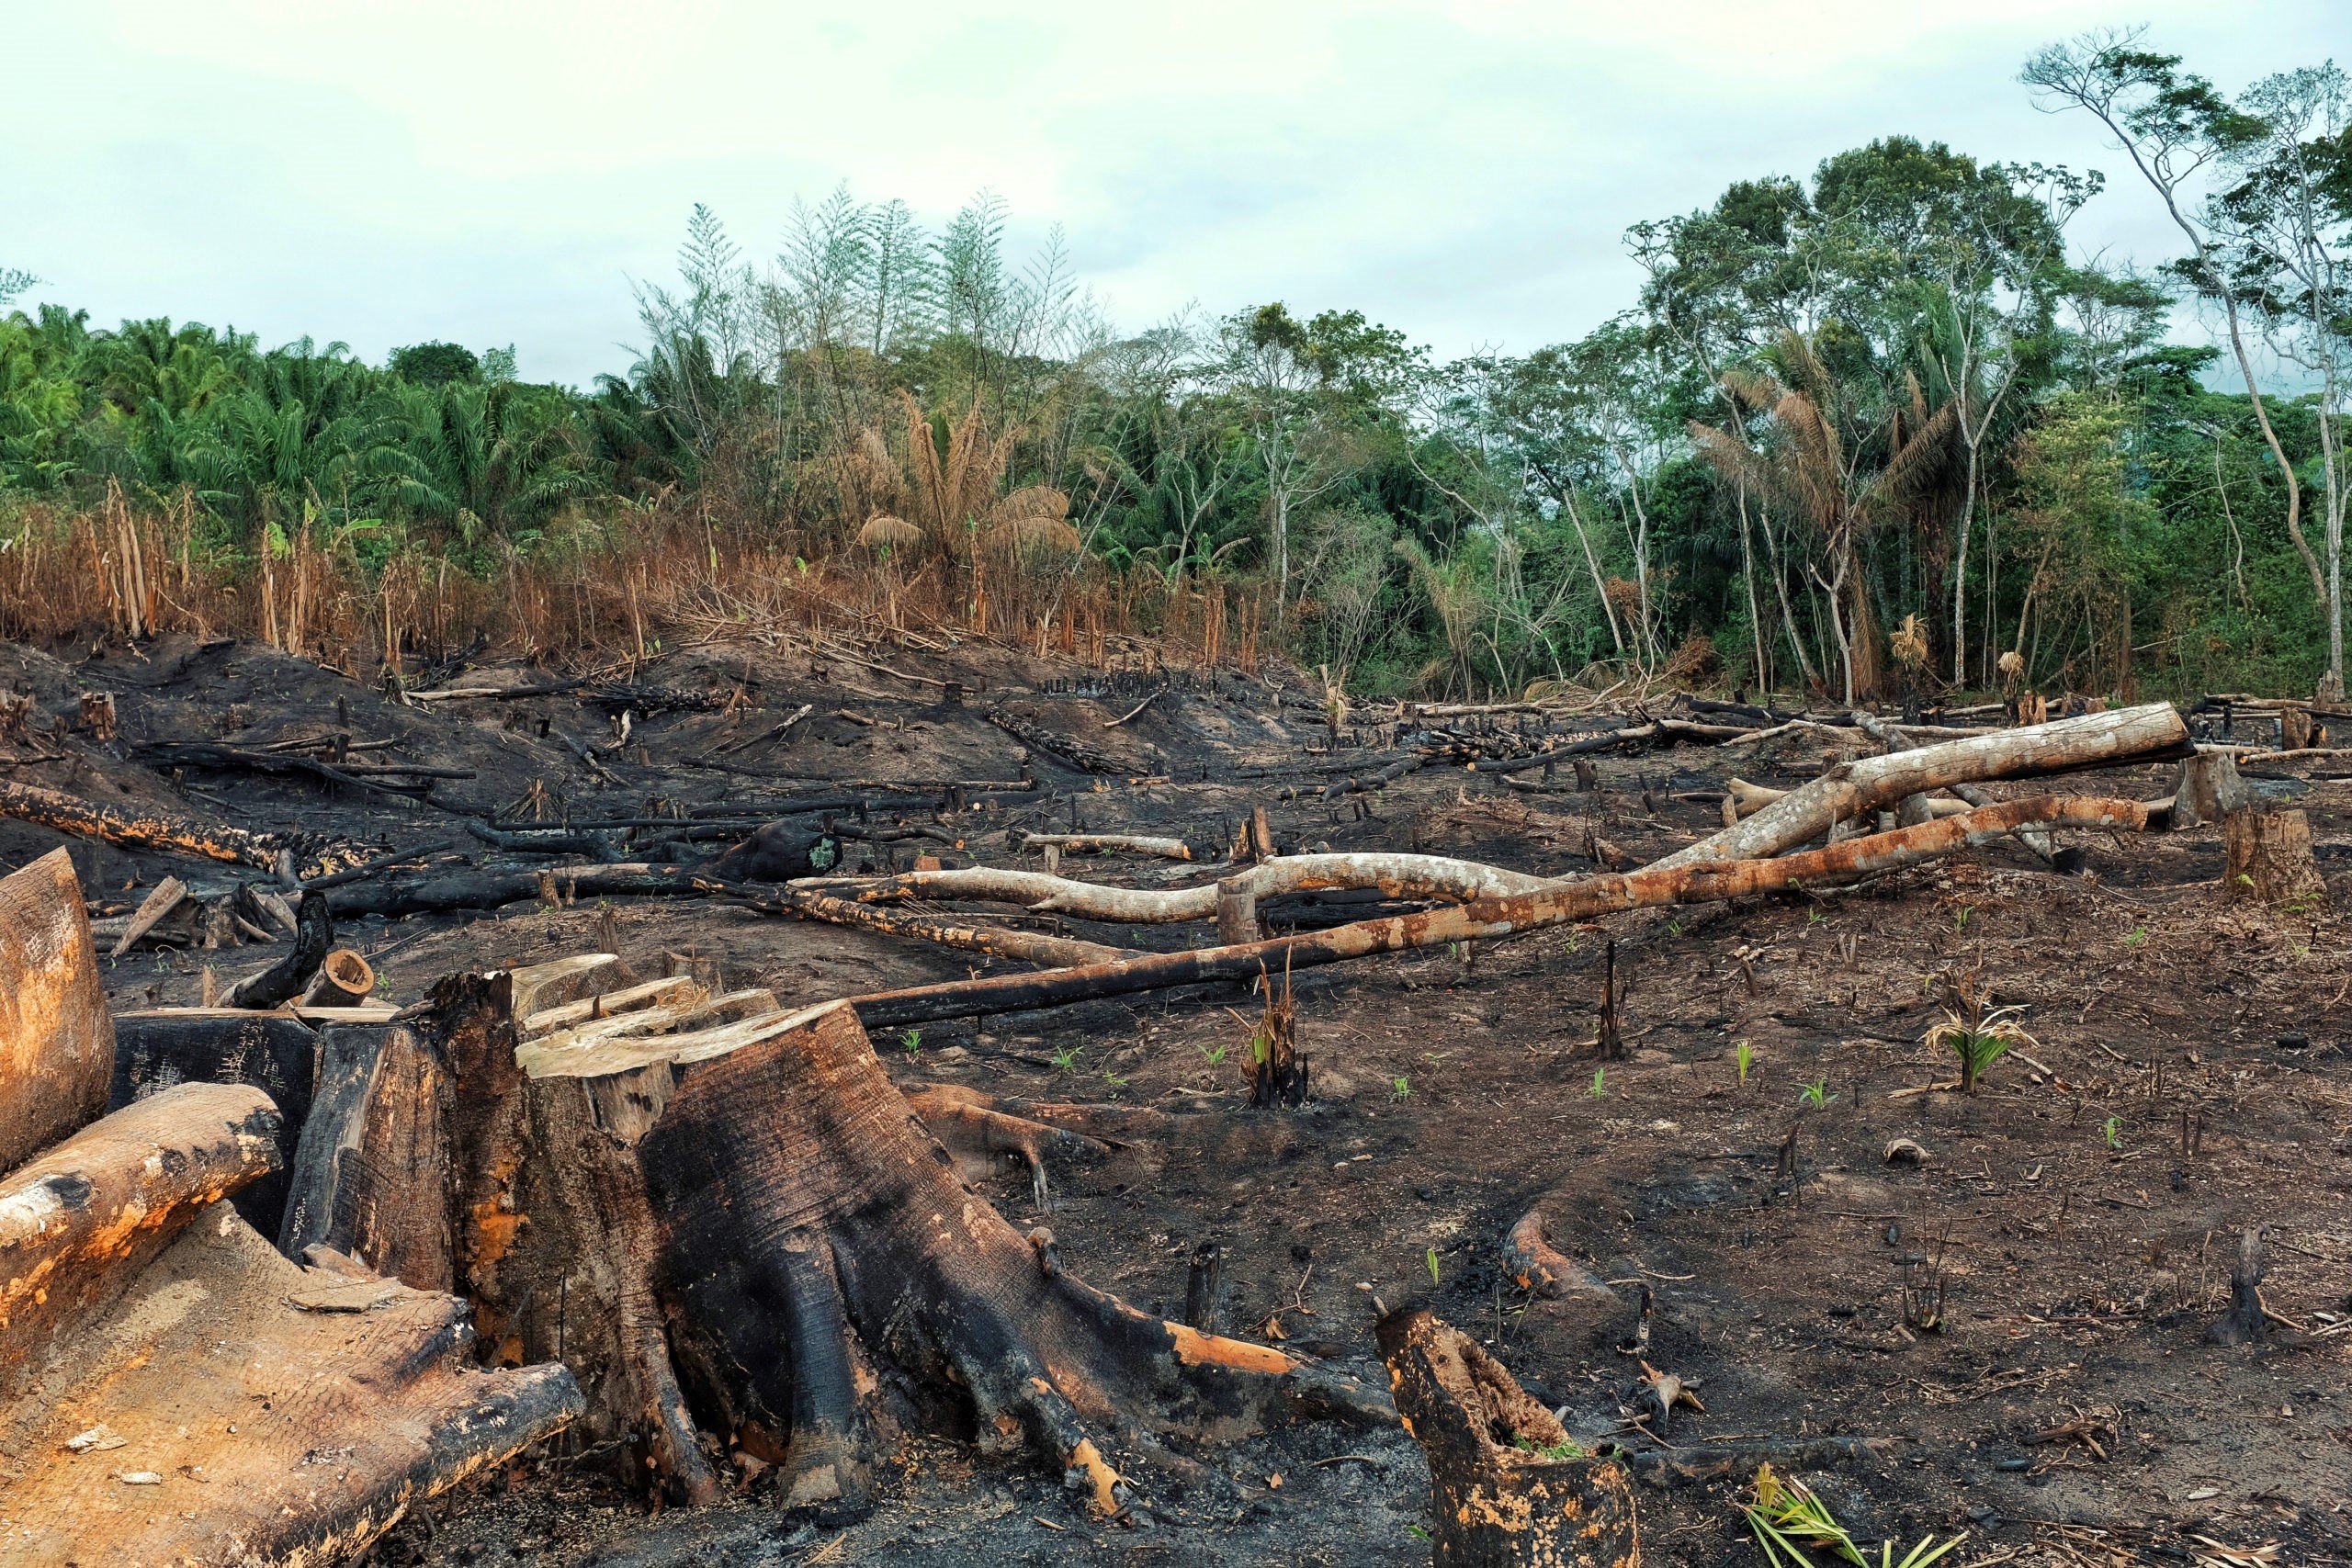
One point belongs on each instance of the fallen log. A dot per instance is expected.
(1068, 750)
(273, 1052)
(1373, 783)
(229, 759)
(1850, 790)
(1664, 731)
(1397, 876)
(166, 833)
(2041, 845)
(1491, 918)
(216, 1374)
(1034, 947)
(1096, 843)
(813, 1251)
(1507, 1487)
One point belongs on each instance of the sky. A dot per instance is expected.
(495, 172)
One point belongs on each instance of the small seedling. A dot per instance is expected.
(2137, 939)
(1430, 1257)
(911, 1042)
(2114, 1131)
(1812, 916)
(1064, 1059)
(1960, 921)
(1599, 1082)
(1816, 1093)
(1400, 1087)
(1213, 1056)
(1674, 927)
(1746, 1056)
(1113, 1080)
(1416, 1529)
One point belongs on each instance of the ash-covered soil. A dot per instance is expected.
(2070, 1228)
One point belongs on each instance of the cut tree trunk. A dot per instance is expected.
(1504, 916)
(2270, 859)
(745, 1229)
(173, 1391)
(273, 1052)
(1847, 792)
(1507, 1488)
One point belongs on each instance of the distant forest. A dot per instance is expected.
(1877, 432)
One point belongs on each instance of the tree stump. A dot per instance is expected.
(1507, 1488)
(2270, 859)
(2208, 789)
(742, 1226)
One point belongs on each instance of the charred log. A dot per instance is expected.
(167, 832)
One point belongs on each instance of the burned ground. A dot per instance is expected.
(2069, 1230)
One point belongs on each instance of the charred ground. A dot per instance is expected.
(2071, 1227)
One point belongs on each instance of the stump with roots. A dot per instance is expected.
(1507, 1488)
(172, 1390)
(740, 1231)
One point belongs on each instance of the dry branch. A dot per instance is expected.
(1031, 946)
(1094, 843)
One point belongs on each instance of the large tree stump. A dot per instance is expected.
(2270, 859)
(172, 1390)
(1507, 1488)
(742, 1227)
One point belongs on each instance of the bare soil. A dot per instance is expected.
(2070, 1228)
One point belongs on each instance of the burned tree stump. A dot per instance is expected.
(1507, 1487)
(1276, 1074)
(2270, 858)
(2248, 1315)
(740, 1227)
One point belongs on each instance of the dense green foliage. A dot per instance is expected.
(1868, 432)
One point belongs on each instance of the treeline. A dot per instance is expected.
(1880, 431)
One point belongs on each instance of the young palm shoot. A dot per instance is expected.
(1784, 1513)
(1979, 1041)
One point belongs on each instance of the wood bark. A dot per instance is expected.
(746, 1229)
(1507, 1489)
(142, 827)
(2270, 859)
(1502, 915)
(2154, 733)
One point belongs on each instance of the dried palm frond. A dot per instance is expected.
(1910, 644)
(2012, 667)
(1029, 500)
(882, 532)
(1037, 534)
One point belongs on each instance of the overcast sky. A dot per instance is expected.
(493, 172)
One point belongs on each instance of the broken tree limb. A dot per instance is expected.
(1398, 875)
(490, 890)
(1507, 1488)
(1372, 782)
(169, 895)
(1664, 731)
(1503, 916)
(1033, 947)
(1537, 1268)
(151, 827)
(1847, 792)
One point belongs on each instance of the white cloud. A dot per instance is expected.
(494, 172)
